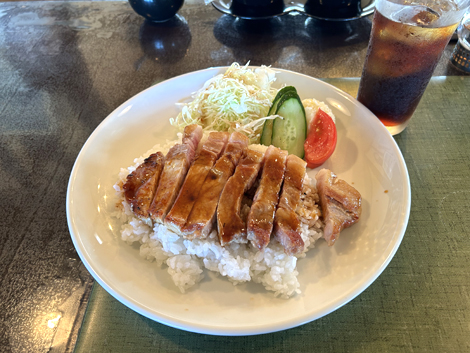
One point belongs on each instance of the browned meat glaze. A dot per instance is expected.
(340, 203)
(140, 186)
(231, 226)
(286, 222)
(190, 193)
(177, 162)
(210, 152)
(202, 216)
(261, 216)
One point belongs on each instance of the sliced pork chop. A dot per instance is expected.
(261, 216)
(340, 204)
(202, 216)
(141, 184)
(210, 152)
(177, 162)
(286, 222)
(230, 224)
(192, 135)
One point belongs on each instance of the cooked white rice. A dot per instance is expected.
(311, 107)
(187, 259)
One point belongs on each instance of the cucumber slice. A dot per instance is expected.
(267, 133)
(278, 97)
(290, 133)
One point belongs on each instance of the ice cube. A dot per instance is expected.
(416, 15)
(425, 18)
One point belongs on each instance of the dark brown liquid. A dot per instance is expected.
(399, 64)
(257, 8)
(333, 8)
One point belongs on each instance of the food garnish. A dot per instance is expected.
(321, 139)
(238, 100)
(289, 128)
(267, 133)
(243, 100)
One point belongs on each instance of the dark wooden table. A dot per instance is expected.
(64, 66)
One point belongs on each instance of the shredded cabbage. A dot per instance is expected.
(237, 100)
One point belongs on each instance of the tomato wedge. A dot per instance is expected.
(321, 140)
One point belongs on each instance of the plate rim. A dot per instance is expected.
(246, 330)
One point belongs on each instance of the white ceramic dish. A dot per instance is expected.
(366, 155)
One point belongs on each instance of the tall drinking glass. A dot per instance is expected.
(406, 43)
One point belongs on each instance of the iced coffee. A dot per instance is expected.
(406, 44)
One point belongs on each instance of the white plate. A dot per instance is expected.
(366, 156)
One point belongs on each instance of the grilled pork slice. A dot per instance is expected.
(210, 152)
(261, 216)
(340, 203)
(202, 216)
(192, 135)
(177, 162)
(141, 184)
(286, 222)
(231, 226)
